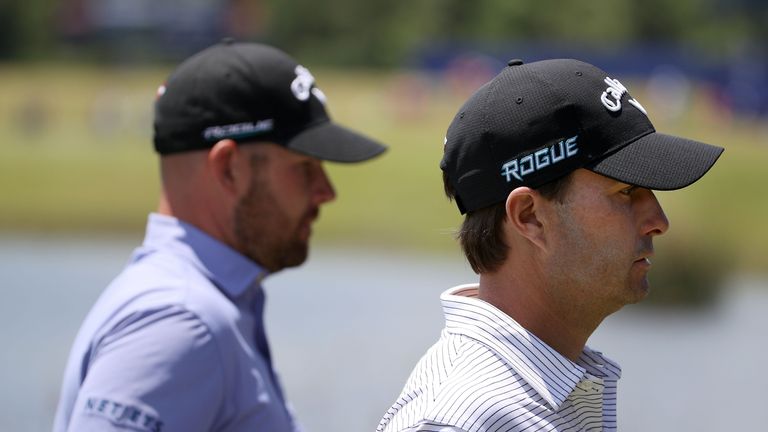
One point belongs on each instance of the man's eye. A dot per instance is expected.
(628, 190)
(307, 170)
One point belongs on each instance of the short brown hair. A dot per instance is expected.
(480, 235)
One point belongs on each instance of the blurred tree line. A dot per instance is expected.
(369, 33)
(385, 33)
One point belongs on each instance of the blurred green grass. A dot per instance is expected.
(76, 156)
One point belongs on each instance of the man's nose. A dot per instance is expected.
(655, 222)
(323, 188)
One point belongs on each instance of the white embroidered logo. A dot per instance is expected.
(542, 158)
(303, 85)
(615, 90)
(238, 130)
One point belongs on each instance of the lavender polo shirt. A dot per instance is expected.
(175, 343)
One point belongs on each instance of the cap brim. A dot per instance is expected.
(658, 161)
(335, 143)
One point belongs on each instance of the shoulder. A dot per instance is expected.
(164, 287)
(161, 341)
(161, 309)
(463, 383)
(483, 389)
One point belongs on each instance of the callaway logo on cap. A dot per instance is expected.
(534, 123)
(250, 92)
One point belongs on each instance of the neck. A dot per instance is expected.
(193, 212)
(164, 207)
(558, 323)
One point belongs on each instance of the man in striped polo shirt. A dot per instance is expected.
(554, 165)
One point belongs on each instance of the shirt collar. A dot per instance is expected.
(550, 374)
(229, 270)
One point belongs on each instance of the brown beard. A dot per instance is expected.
(263, 232)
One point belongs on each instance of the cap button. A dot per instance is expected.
(228, 41)
(514, 62)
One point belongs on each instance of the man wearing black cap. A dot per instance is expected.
(177, 342)
(553, 163)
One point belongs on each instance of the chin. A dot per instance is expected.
(639, 293)
(295, 256)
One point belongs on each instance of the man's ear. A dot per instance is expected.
(523, 209)
(223, 159)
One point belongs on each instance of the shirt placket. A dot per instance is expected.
(588, 389)
(260, 338)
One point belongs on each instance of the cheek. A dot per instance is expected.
(592, 238)
(293, 202)
(289, 189)
(608, 219)
(611, 234)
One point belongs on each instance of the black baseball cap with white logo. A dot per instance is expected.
(250, 92)
(534, 123)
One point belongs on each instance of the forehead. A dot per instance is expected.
(274, 152)
(584, 178)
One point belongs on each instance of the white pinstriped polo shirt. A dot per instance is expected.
(487, 373)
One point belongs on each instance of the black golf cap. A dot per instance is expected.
(534, 123)
(250, 92)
